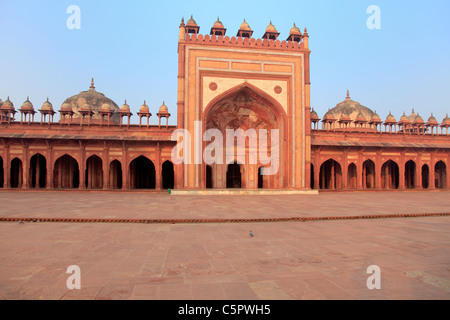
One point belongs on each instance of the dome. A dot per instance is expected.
(7, 105)
(105, 107)
(191, 22)
(163, 108)
(218, 24)
(446, 120)
(418, 119)
(314, 115)
(360, 117)
(375, 117)
(295, 30)
(66, 107)
(27, 105)
(404, 119)
(86, 107)
(432, 120)
(144, 108)
(271, 28)
(350, 108)
(47, 106)
(95, 100)
(344, 117)
(390, 118)
(245, 26)
(125, 107)
(412, 116)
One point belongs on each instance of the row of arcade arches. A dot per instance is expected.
(331, 176)
(66, 173)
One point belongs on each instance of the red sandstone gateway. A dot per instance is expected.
(225, 83)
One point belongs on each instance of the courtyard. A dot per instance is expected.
(219, 261)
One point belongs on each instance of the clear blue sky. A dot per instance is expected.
(130, 48)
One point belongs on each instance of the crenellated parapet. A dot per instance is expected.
(296, 41)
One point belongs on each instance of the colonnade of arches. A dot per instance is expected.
(66, 174)
(331, 176)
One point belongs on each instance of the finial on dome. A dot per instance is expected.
(92, 84)
(348, 94)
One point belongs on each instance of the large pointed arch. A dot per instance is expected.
(249, 108)
(254, 92)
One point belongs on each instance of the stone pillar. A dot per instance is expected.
(359, 172)
(25, 168)
(377, 173)
(401, 173)
(49, 184)
(158, 164)
(125, 166)
(82, 168)
(6, 167)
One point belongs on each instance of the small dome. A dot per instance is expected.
(218, 24)
(47, 106)
(66, 106)
(125, 107)
(245, 26)
(314, 115)
(375, 117)
(86, 107)
(390, 118)
(432, 120)
(163, 108)
(446, 120)
(412, 116)
(360, 117)
(404, 119)
(191, 22)
(271, 28)
(295, 30)
(418, 120)
(344, 117)
(144, 108)
(27, 105)
(105, 107)
(7, 105)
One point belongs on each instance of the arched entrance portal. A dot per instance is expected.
(16, 173)
(142, 174)
(2, 173)
(440, 175)
(410, 174)
(209, 175)
(330, 175)
(248, 110)
(94, 173)
(115, 175)
(38, 171)
(425, 176)
(369, 174)
(234, 178)
(168, 175)
(66, 173)
(389, 175)
(351, 182)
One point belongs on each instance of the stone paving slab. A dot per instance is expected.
(285, 260)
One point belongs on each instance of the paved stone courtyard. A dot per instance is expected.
(285, 260)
